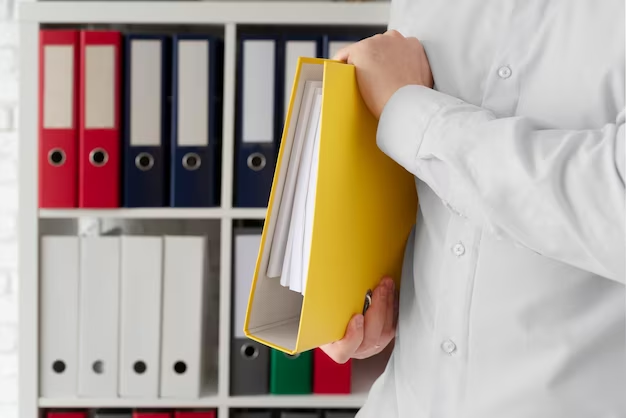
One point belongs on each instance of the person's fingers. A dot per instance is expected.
(375, 316)
(341, 351)
(394, 33)
(343, 54)
(389, 328)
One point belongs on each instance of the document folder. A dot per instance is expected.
(146, 131)
(247, 358)
(196, 121)
(363, 203)
(58, 339)
(58, 125)
(291, 375)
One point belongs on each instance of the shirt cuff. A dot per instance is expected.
(404, 122)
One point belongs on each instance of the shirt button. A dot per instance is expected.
(448, 346)
(458, 249)
(504, 72)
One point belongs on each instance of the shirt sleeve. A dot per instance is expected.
(559, 193)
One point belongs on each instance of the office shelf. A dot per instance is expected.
(227, 17)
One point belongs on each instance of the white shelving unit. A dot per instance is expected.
(228, 15)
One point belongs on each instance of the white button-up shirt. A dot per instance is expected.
(512, 299)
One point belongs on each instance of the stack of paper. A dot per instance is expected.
(289, 254)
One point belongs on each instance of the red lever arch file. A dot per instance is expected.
(58, 126)
(330, 377)
(99, 161)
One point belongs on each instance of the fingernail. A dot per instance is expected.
(359, 322)
(392, 285)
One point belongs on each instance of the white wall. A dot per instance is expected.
(8, 208)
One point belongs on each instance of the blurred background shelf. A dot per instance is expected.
(208, 12)
(154, 213)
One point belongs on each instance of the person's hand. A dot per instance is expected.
(384, 64)
(368, 336)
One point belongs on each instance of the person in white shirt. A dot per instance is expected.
(510, 114)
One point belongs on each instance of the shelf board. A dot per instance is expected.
(204, 402)
(298, 401)
(154, 213)
(207, 12)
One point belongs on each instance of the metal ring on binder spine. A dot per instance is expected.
(192, 161)
(144, 161)
(244, 352)
(98, 157)
(256, 161)
(56, 157)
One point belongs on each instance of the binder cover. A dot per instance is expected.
(112, 414)
(194, 414)
(360, 227)
(247, 357)
(339, 414)
(66, 414)
(99, 317)
(140, 318)
(299, 414)
(259, 117)
(59, 316)
(182, 330)
(330, 377)
(291, 375)
(197, 121)
(58, 114)
(99, 141)
(147, 120)
(162, 414)
(252, 414)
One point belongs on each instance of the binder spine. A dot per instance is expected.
(99, 140)
(196, 170)
(58, 139)
(146, 170)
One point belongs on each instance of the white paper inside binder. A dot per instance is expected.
(291, 246)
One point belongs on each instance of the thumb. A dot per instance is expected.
(341, 351)
(343, 54)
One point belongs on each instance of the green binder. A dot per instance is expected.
(291, 375)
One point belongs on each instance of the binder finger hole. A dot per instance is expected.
(256, 161)
(98, 157)
(249, 352)
(98, 367)
(56, 157)
(144, 161)
(180, 367)
(292, 357)
(140, 367)
(58, 366)
(191, 161)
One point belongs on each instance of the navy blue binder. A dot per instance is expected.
(259, 118)
(196, 121)
(333, 43)
(146, 116)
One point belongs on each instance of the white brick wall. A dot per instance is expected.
(8, 209)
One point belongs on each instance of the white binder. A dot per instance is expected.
(99, 317)
(140, 316)
(182, 329)
(58, 363)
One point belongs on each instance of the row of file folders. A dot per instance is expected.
(123, 316)
(274, 372)
(134, 120)
(200, 414)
